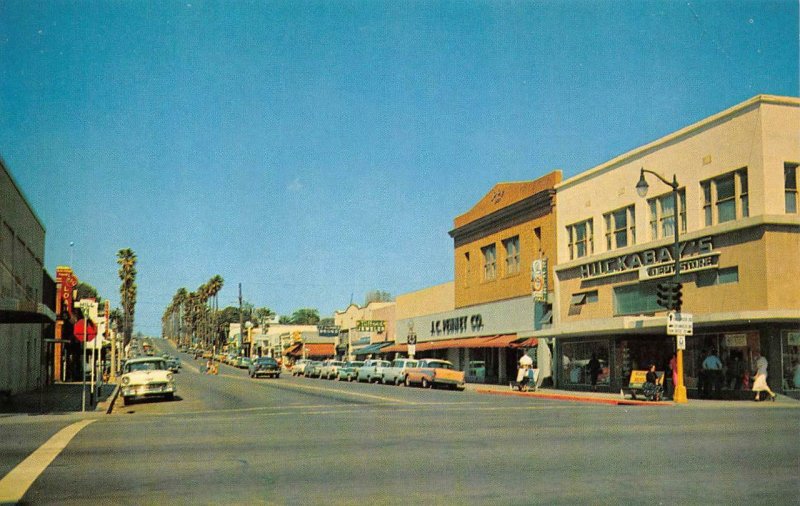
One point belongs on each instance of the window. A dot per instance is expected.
(717, 277)
(581, 299)
(790, 185)
(662, 215)
(575, 360)
(620, 228)
(466, 269)
(639, 298)
(489, 262)
(581, 242)
(725, 198)
(512, 255)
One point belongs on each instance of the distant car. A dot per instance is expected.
(145, 377)
(349, 371)
(330, 368)
(313, 369)
(241, 362)
(372, 370)
(299, 367)
(396, 374)
(264, 366)
(173, 364)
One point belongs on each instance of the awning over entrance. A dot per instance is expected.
(371, 349)
(498, 341)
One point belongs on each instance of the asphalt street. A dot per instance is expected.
(232, 439)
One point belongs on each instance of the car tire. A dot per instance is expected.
(425, 383)
(397, 382)
(406, 382)
(126, 401)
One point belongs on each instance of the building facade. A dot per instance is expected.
(739, 235)
(364, 330)
(24, 318)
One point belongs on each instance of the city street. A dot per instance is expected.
(229, 438)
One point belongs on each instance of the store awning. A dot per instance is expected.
(311, 350)
(372, 349)
(496, 341)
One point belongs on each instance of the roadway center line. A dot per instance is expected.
(16, 483)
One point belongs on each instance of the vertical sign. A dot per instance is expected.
(539, 279)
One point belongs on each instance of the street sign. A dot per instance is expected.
(679, 324)
(81, 329)
(681, 342)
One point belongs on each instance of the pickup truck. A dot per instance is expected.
(431, 372)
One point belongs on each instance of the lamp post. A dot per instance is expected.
(641, 190)
(249, 326)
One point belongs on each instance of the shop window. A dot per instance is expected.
(575, 359)
(791, 359)
(581, 240)
(466, 269)
(639, 298)
(790, 186)
(736, 350)
(718, 277)
(662, 215)
(620, 228)
(578, 300)
(725, 198)
(511, 247)
(489, 262)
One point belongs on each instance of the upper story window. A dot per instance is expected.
(790, 176)
(620, 228)
(512, 255)
(725, 198)
(467, 269)
(489, 262)
(662, 215)
(581, 240)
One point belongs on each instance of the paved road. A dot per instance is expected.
(305, 441)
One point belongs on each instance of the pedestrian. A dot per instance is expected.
(594, 370)
(673, 366)
(735, 372)
(712, 366)
(652, 390)
(760, 383)
(209, 365)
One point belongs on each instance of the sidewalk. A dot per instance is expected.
(57, 398)
(616, 399)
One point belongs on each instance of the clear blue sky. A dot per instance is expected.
(314, 150)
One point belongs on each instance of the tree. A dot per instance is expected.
(126, 259)
(87, 291)
(378, 296)
(284, 320)
(305, 316)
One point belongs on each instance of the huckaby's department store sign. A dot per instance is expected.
(695, 255)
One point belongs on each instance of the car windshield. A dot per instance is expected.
(265, 361)
(145, 366)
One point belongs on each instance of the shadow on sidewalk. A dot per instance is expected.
(55, 398)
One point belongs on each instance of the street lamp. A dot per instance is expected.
(641, 190)
(249, 326)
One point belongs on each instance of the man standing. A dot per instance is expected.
(712, 366)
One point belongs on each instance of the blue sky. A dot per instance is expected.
(314, 151)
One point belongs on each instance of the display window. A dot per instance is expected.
(736, 351)
(578, 368)
(790, 341)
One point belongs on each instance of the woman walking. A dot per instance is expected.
(760, 383)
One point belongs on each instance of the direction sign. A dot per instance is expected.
(679, 324)
(81, 329)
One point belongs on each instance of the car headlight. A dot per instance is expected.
(169, 377)
(125, 380)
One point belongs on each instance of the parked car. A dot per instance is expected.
(431, 372)
(146, 377)
(299, 367)
(372, 370)
(313, 368)
(242, 362)
(264, 366)
(396, 374)
(330, 368)
(173, 364)
(349, 371)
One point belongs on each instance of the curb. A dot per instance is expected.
(574, 398)
(101, 406)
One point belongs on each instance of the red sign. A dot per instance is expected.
(81, 329)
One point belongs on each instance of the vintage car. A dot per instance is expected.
(349, 371)
(431, 372)
(330, 368)
(242, 362)
(264, 366)
(372, 370)
(396, 374)
(146, 377)
(299, 367)
(313, 368)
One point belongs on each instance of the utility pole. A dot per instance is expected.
(241, 321)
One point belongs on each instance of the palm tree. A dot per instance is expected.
(214, 286)
(126, 259)
(178, 301)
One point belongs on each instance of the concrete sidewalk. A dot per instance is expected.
(58, 398)
(616, 399)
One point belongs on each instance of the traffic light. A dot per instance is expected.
(665, 295)
(677, 296)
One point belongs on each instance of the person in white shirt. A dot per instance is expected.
(760, 383)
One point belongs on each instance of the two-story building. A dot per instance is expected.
(736, 177)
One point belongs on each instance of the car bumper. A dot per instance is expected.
(145, 390)
(264, 372)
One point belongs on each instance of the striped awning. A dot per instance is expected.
(496, 341)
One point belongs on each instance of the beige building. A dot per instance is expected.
(739, 233)
(364, 330)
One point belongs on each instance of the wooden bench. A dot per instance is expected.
(637, 381)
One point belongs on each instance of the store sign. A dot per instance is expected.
(370, 325)
(456, 325)
(539, 279)
(736, 340)
(655, 259)
(328, 330)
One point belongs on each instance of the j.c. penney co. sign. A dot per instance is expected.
(695, 255)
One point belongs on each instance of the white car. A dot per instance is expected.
(299, 367)
(145, 377)
(396, 374)
(330, 369)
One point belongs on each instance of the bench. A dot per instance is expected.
(637, 381)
